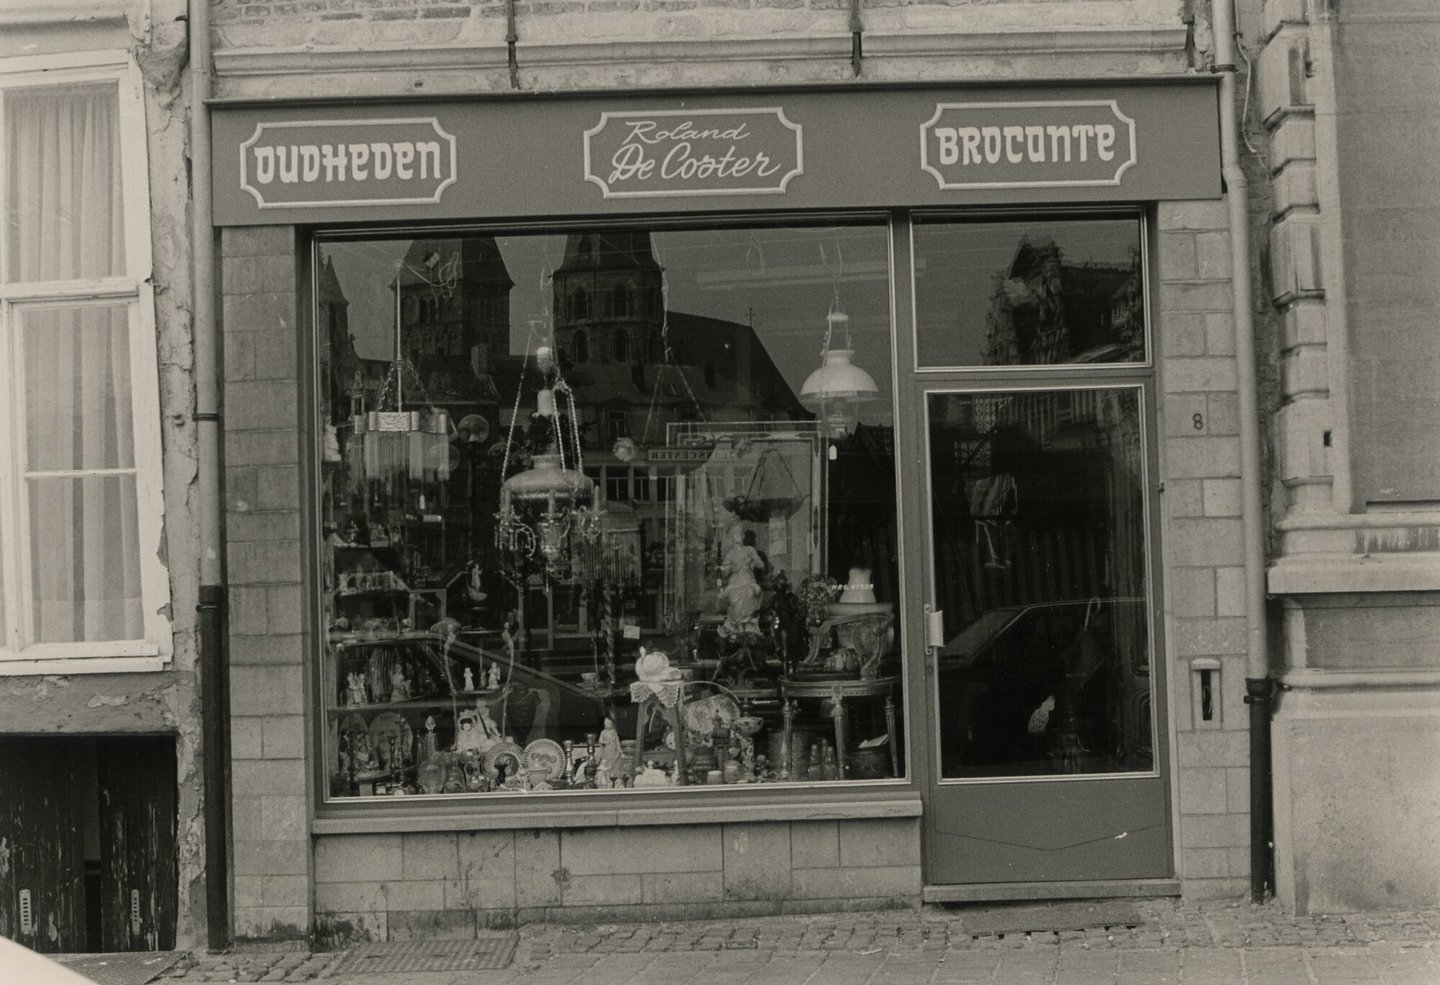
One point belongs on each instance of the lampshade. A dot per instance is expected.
(838, 380)
(838, 387)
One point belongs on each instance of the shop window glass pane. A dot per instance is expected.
(1039, 516)
(489, 588)
(64, 201)
(1029, 292)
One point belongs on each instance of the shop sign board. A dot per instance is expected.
(1064, 143)
(669, 153)
(632, 154)
(325, 163)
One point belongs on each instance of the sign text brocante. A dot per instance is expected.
(347, 162)
(1020, 144)
(693, 152)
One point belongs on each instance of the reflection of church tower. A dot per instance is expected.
(455, 315)
(339, 361)
(607, 300)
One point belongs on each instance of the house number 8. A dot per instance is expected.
(1198, 421)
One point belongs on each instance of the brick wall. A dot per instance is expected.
(1204, 551)
(448, 884)
(263, 544)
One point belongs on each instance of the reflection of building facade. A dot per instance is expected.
(1046, 311)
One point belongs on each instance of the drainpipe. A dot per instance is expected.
(1259, 685)
(213, 655)
(512, 38)
(857, 31)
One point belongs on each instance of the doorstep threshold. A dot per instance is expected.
(991, 892)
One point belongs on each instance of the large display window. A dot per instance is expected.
(607, 508)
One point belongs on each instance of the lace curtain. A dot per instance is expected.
(66, 221)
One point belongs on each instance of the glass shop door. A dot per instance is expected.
(1046, 738)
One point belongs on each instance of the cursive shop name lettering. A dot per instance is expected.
(639, 156)
(327, 163)
(1052, 143)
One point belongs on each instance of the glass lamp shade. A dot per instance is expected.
(546, 482)
(395, 443)
(835, 389)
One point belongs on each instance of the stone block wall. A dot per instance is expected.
(1203, 545)
(264, 550)
(451, 884)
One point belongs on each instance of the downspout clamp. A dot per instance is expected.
(213, 659)
(1259, 685)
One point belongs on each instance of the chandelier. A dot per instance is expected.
(393, 441)
(549, 508)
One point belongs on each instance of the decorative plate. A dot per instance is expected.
(547, 755)
(495, 753)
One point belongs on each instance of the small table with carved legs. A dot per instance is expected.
(839, 692)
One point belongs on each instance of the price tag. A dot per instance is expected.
(631, 631)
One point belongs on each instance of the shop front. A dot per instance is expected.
(732, 501)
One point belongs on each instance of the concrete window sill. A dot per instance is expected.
(475, 815)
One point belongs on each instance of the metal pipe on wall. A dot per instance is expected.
(1259, 685)
(214, 670)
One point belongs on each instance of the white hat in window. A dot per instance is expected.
(654, 668)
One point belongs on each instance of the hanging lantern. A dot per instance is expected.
(835, 390)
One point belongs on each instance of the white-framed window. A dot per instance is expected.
(82, 584)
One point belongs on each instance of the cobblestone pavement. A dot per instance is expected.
(1186, 943)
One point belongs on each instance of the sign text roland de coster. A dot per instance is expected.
(670, 153)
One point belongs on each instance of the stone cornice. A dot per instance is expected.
(1355, 574)
(354, 59)
(55, 15)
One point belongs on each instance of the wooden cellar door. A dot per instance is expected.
(42, 856)
(139, 874)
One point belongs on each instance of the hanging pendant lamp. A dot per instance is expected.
(836, 390)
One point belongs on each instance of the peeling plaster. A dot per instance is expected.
(106, 700)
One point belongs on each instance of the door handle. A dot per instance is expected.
(934, 628)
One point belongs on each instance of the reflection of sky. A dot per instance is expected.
(781, 281)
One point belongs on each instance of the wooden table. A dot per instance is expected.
(839, 692)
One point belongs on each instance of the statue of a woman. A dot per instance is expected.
(741, 592)
(609, 752)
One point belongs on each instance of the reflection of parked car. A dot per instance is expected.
(391, 692)
(1050, 683)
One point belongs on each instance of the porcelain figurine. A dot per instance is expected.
(609, 752)
(399, 686)
(741, 593)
